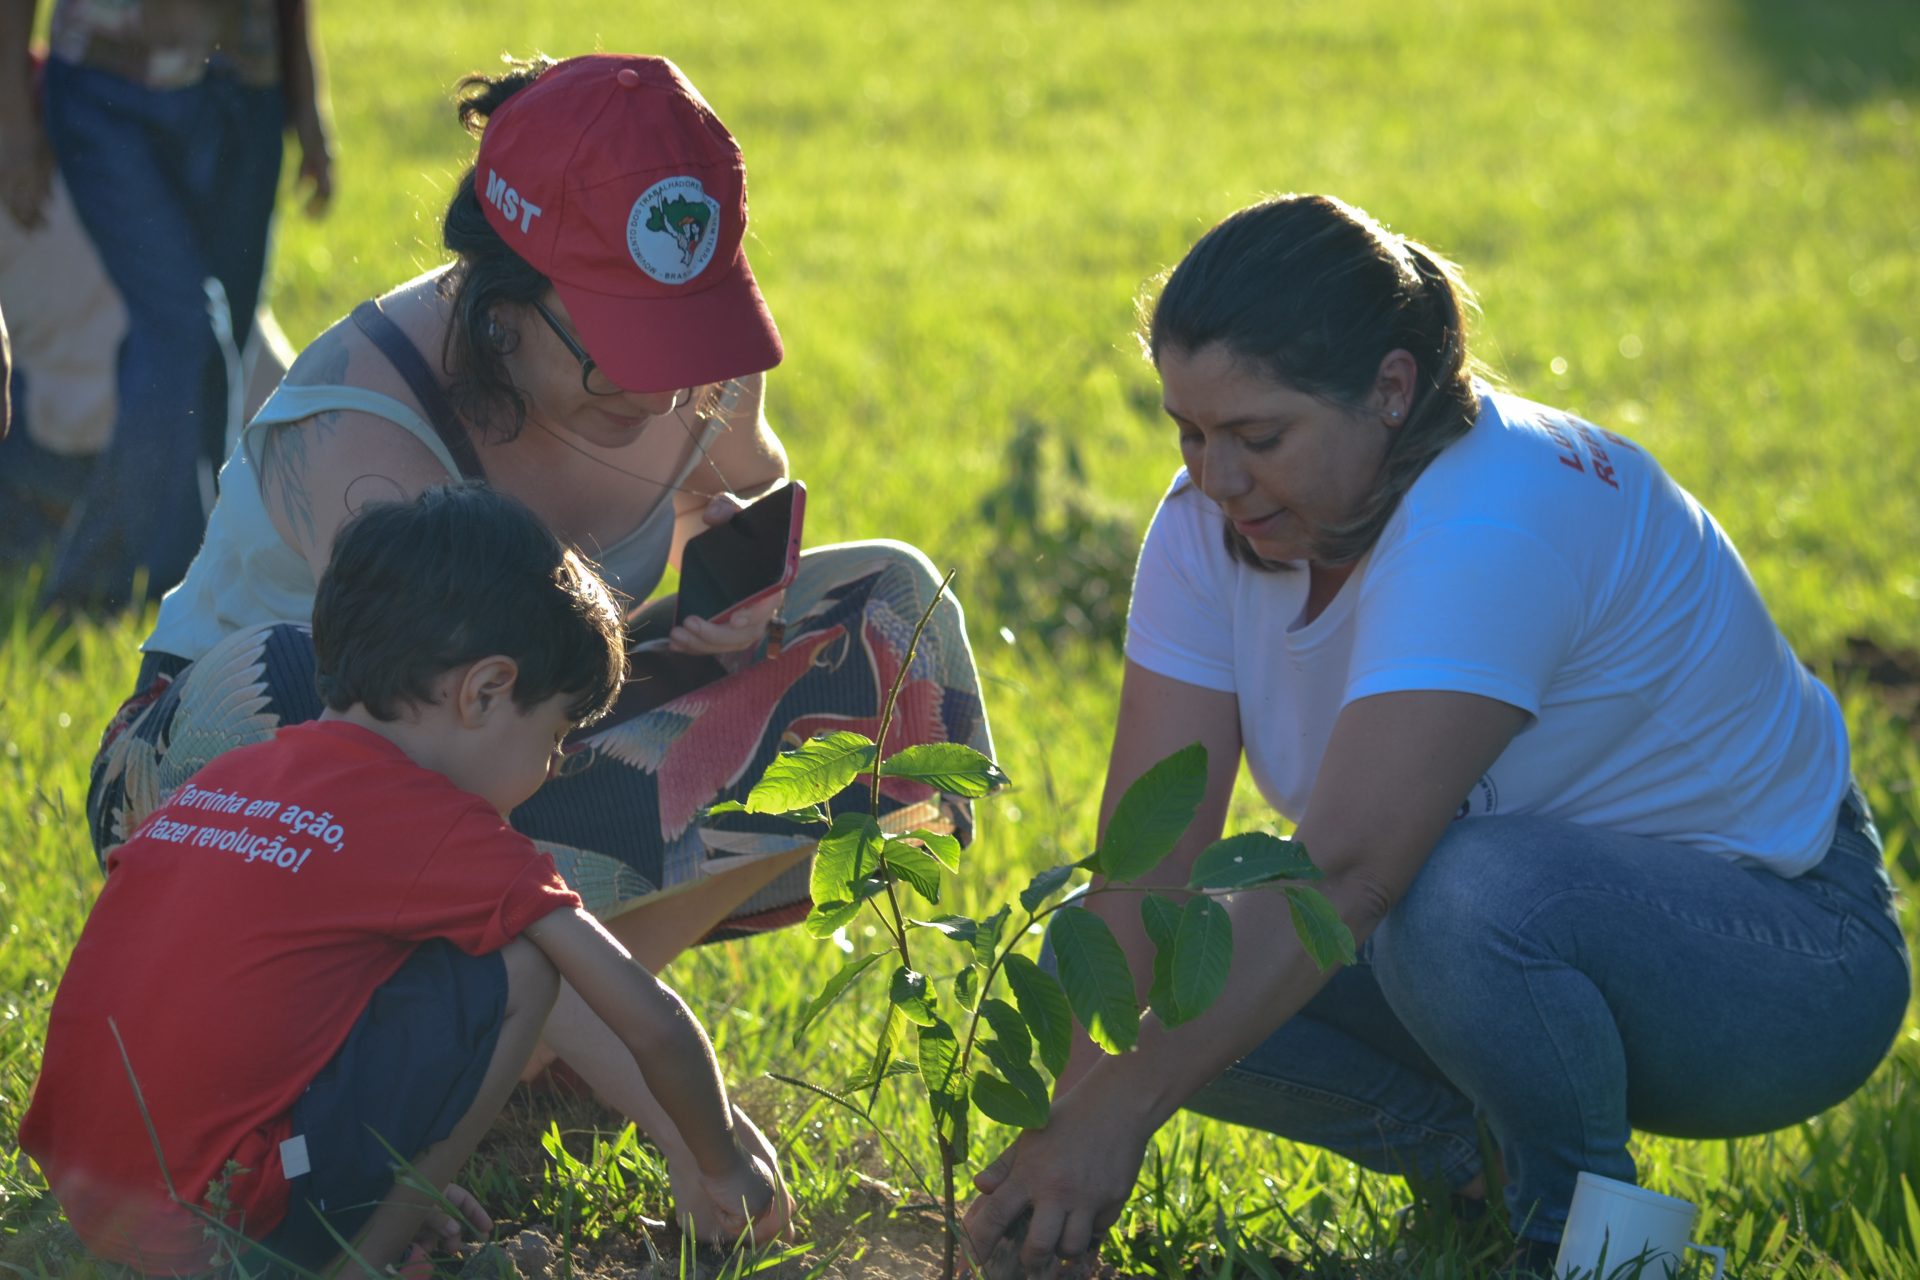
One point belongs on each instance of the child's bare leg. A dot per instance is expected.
(531, 987)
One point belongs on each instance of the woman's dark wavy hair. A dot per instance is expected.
(416, 589)
(486, 273)
(1315, 293)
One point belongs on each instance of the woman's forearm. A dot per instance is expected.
(1271, 978)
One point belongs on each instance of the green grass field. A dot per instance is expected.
(1695, 221)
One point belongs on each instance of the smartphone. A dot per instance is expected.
(745, 560)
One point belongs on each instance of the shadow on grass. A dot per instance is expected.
(1835, 52)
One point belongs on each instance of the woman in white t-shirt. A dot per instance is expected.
(1588, 818)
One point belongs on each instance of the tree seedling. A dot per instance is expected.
(969, 1047)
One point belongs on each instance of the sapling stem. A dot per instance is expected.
(899, 680)
(898, 925)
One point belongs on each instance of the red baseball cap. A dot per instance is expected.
(613, 178)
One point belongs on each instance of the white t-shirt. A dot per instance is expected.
(1551, 565)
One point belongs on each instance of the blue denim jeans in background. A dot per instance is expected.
(1569, 985)
(173, 186)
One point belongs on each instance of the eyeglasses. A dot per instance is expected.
(592, 379)
(570, 760)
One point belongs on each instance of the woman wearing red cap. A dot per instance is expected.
(597, 349)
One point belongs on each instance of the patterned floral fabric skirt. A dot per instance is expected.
(626, 818)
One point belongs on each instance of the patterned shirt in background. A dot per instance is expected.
(169, 44)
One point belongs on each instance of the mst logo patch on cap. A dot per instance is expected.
(673, 229)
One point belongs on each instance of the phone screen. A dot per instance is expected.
(746, 557)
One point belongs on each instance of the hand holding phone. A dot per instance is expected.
(747, 561)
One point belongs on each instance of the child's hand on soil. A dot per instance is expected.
(750, 1197)
(441, 1232)
(776, 1220)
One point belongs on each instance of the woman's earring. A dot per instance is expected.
(495, 337)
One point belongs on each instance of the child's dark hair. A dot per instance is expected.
(416, 589)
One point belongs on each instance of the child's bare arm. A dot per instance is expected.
(672, 1050)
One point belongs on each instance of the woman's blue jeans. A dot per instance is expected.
(174, 186)
(1569, 985)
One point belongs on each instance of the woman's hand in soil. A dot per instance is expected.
(1075, 1174)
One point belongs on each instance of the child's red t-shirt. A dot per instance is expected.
(240, 933)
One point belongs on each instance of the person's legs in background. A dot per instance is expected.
(66, 323)
(173, 186)
(37, 486)
(233, 187)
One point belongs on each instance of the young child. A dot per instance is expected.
(331, 944)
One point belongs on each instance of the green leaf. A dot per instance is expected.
(1202, 953)
(913, 996)
(945, 849)
(959, 928)
(812, 773)
(940, 1060)
(916, 866)
(1251, 858)
(958, 1130)
(1094, 972)
(1324, 934)
(1152, 815)
(835, 988)
(869, 1078)
(827, 917)
(966, 986)
(1162, 918)
(1001, 1101)
(1011, 1052)
(987, 941)
(952, 767)
(846, 855)
(727, 806)
(880, 1065)
(1009, 1027)
(1044, 1007)
(946, 1083)
(1043, 886)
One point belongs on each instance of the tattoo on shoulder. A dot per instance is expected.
(366, 490)
(286, 461)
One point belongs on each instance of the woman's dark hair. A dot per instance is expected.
(486, 273)
(1315, 294)
(416, 589)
